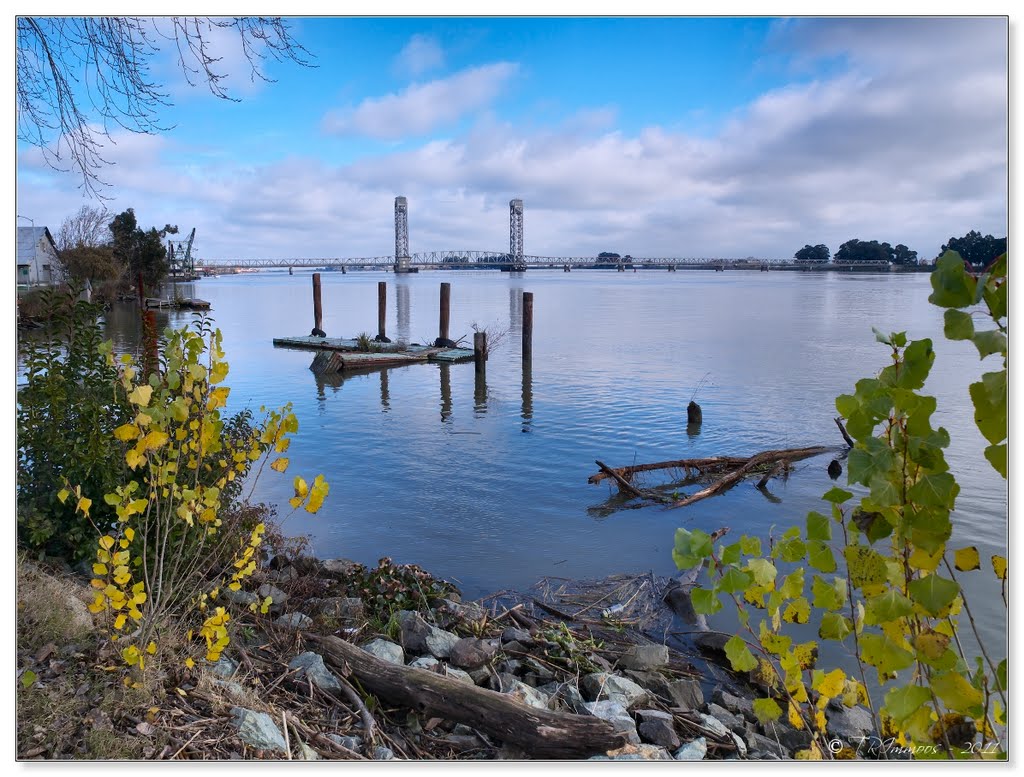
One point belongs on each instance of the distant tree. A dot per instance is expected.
(90, 227)
(142, 252)
(903, 255)
(79, 77)
(809, 254)
(976, 249)
(864, 251)
(86, 248)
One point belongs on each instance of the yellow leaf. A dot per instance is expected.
(153, 440)
(123, 578)
(133, 458)
(234, 586)
(279, 465)
(62, 495)
(795, 720)
(966, 559)
(83, 505)
(129, 534)
(212, 656)
(151, 648)
(101, 584)
(142, 419)
(126, 432)
(189, 663)
(119, 621)
(141, 395)
(99, 569)
(106, 542)
(831, 684)
(999, 566)
(301, 489)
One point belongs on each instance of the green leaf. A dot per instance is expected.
(917, 363)
(958, 325)
(734, 580)
(952, 286)
(989, 341)
(828, 597)
(882, 337)
(885, 655)
(884, 492)
(957, 694)
(996, 455)
(819, 527)
(1001, 676)
(886, 607)
(901, 703)
(938, 489)
(691, 548)
(834, 626)
(28, 678)
(763, 570)
(933, 593)
(929, 527)
(790, 550)
(766, 710)
(797, 611)
(819, 556)
(729, 554)
(792, 585)
(751, 546)
(836, 495)
(867, 568)
(705, 601)
(989, 397)
(739, 655)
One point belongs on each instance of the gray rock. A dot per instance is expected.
(451, 612)
(765, 746)
(312, 665)
(424, 662)
(741, 745)
(307, 753)
(849, 723)
(524, 693)
(258, 729)
(731, 721)
(633, 752)
(657, 728)
(419, 636)
(295, 620)
(458, 674)
(522, 636)
(277, 596)
(735, 704)
(224, 667)
(644, 658)
(285, 575)
(344, 608)
(340, 567)
(381, 753)
(791, 738)
(510, 666)
(241, 598)
(388, 651)
(234, 691)
(686, 693)
(480, 676)
(441, 642)
(714, 725)
(712, 641)
(566, 692)
(351, 743)
(603, 685)
(616, 714)
(538, 670)
(470, 653)
(692, 751)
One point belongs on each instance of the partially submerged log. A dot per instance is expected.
(541, 733)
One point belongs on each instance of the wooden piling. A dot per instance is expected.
(445, 311)
(480, 350)
(527, 326)
(318, 310)
(382, 308)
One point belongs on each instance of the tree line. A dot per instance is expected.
(976, 249)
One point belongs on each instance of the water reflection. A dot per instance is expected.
(515, 308)
(527, 408)
(480, 392)
(446, 391)
(385, 396)
(402, 306)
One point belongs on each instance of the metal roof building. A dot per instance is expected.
(37, 259)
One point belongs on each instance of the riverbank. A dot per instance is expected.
(389, 663)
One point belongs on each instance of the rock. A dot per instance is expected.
(295, 620)
(712, 641)
(522, 636)
(458, 674)
(419, 636)
(451, 612)
(307, 753)
(344, 608)
(241, 598)
(835, 469)
(791, 738)
(285, 575)
(234, 691)
(388, 651)
(633, 752)
(741, 745)
(351, 743)
(616, 714)
(440, 642)
(567, 692)
(644, 658)
(602, 685)
(731, 721)
(425, 662)
(312, 666)
(686, 693)
(470, 653)
(537, 670)
(522, 692)
(692, 751)
(765, 745)
(480, 676)
(277, 596)
(224, 667)
(381, 753)
(510, 666)
(258, 729)
(735, 704)
(694, 416)
(657, 728)
(339, 568)
(714, 725)
(849, 723)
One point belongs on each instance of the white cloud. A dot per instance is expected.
(420, 108)
(421, 54)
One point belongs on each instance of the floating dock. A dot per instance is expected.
(341, 355)
(186, 304)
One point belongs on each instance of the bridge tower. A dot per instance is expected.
(402, 258)
(515, 222)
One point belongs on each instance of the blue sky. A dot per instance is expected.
(651, 136)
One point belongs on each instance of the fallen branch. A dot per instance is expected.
(736, 475)
(712, 464)
(842, 429)
(541, 733)
(771, 473)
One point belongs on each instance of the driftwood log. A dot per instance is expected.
(736, 469)
(541, 733)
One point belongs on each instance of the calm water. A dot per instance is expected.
(487, 484)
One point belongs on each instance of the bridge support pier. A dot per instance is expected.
(566, 268)
(403, 264)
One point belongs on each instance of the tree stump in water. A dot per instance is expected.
(835, 469)
(694, 417)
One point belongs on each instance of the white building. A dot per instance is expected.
(38, 263)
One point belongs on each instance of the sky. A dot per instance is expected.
(662, 137)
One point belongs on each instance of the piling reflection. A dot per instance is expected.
(402, 307)
(480, 392)
(385, 396)
(515, 308)
(527, 408)
(446, 391)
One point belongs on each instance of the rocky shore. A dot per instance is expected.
(474, 677)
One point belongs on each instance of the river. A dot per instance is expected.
(487, 485)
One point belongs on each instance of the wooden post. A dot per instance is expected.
(446, 297)
(382, 308)
(527, 326)
(480, 350)
(318, 310)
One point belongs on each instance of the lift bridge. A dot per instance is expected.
(513, 260)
